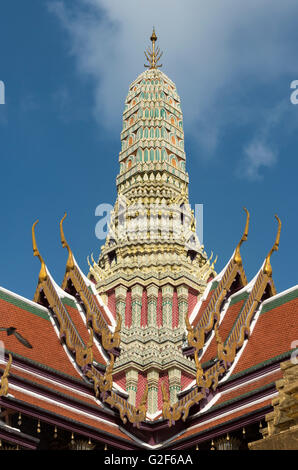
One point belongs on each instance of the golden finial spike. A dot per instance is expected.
(237, 256)
(153, 56)
(43, 272)
(214, 262)
(267, 267)
(70, 261)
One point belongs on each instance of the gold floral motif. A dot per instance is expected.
(135, 415)
(196, 335)
(93, 314)
(111, 340)
(180, 409)
(102, 383)
(209, 378)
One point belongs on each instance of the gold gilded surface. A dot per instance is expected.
(154, 55)
(237, 256)
(281, 432)
(70, 261)
(43, 270)
(267, 267)
(4, 379)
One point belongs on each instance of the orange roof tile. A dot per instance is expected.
(224, 329)
(270, 337)
(81, 328)
(33, 322)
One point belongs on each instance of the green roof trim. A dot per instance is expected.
(214, 285)
(46, 367)
(243, 296)
(280, 357)
(240, 397)
(22, 304)
(69, 302)
(274, 303)
(210, 363)
(58, 392)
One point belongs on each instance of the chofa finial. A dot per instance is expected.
(43, 271)
(153, 56)
(237, 256)
(70, 261)
(267, 267)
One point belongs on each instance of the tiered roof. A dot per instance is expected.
(63, 363)
(55, 383)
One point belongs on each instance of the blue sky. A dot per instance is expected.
(67, 66)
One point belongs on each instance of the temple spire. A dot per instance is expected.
(153, 55)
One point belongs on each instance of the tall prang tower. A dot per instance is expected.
(146, 354)
(152, 269)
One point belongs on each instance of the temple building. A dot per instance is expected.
(152, 349)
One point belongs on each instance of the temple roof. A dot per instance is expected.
(48, 381)
(153, 349)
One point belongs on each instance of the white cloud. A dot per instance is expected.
(256, 155)
(210, 49)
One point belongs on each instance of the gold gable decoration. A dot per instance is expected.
(4, 379)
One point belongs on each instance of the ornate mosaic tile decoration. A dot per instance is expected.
(152, 257)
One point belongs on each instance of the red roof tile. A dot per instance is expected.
(38, 330)
(224, 330)
(273, 334)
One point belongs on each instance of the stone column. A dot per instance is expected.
(174, 383)
(132, 385)
(152, 294)
(136, 304)
(152, 378)
(167, 305)
(182, 293)
(120, 295)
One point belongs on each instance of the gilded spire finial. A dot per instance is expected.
(70, 261)
(237, 256)
(153, 55)
(43, 272)
(267, 267)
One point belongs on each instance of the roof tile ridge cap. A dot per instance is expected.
(77, 398)
(242, 348)
(219, 276)
(45, 369)
(61, 293)
(199, 303)
(98, 297)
